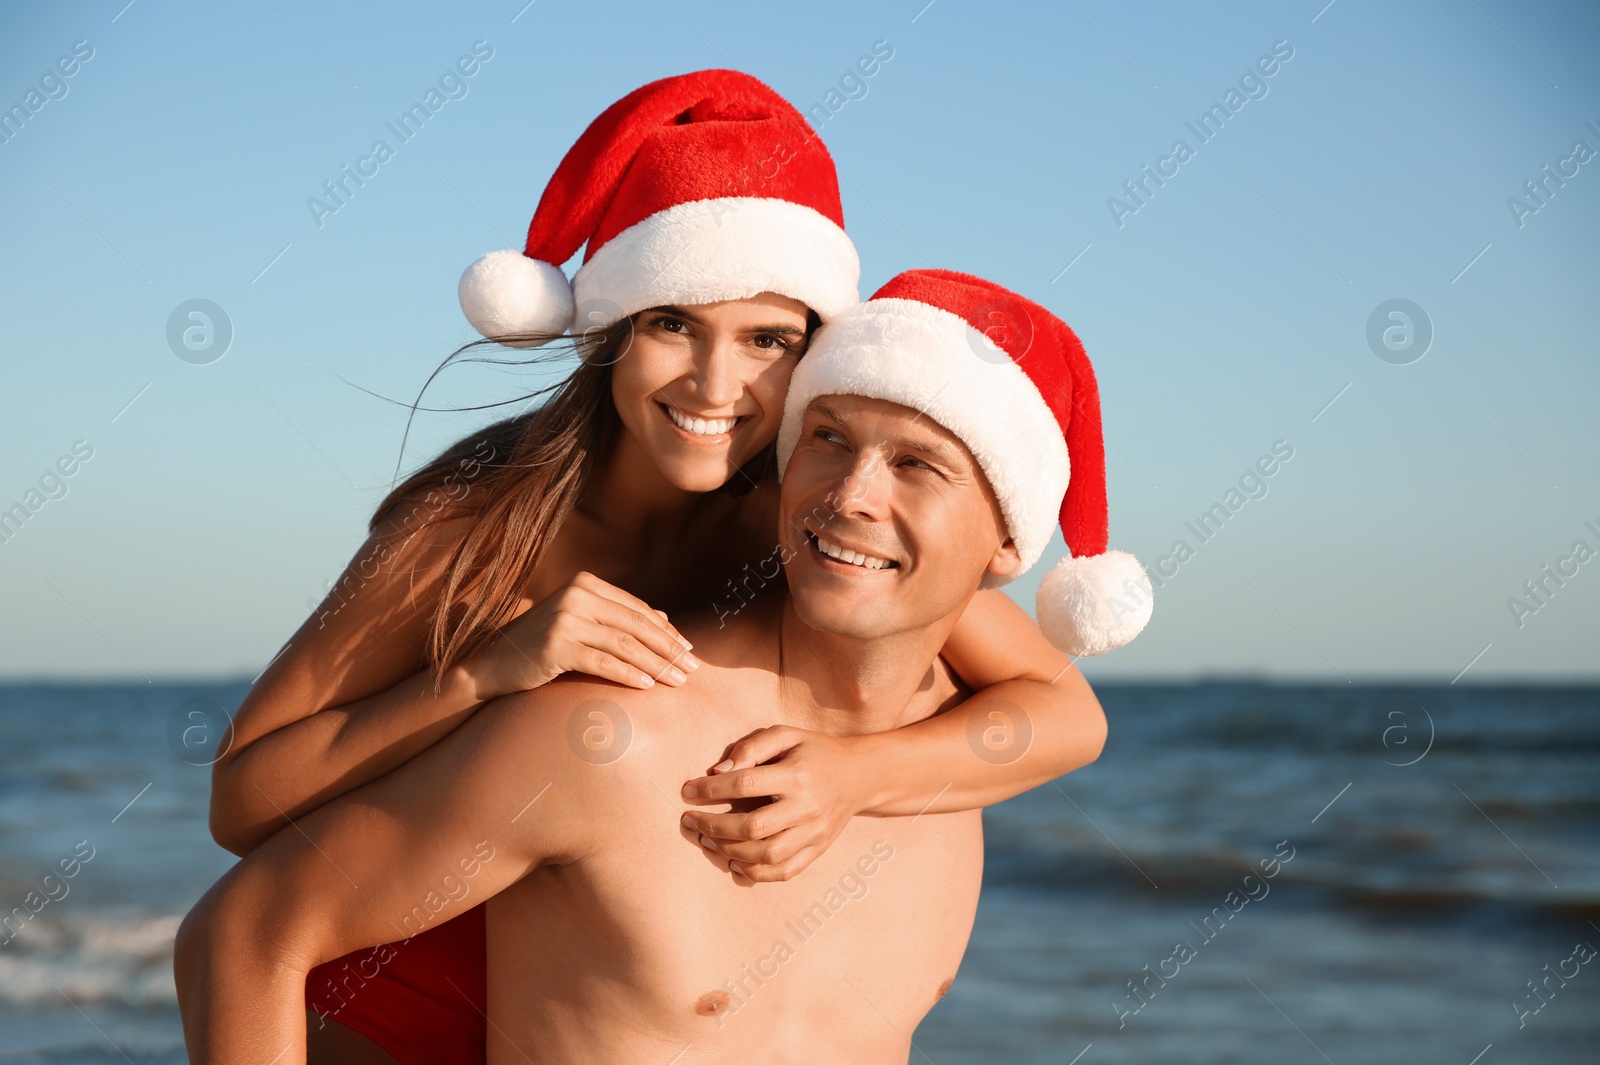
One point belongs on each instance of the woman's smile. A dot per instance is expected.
(700, 428)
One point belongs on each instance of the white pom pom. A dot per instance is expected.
(1088, 606)
(506, 293)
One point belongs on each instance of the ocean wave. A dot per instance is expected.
(92, 959)
(1341, 879)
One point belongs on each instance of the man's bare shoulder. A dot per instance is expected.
(571, 722)
(578, 723)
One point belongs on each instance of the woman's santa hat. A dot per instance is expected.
(693, 189)
(1012, 381)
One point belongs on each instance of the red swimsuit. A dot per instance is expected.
(422, 999)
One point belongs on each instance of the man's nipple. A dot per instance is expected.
(712, 1003)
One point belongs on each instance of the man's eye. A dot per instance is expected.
(828, 436)
(916, 464)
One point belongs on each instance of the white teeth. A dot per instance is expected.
(854, 558)
(700, 426)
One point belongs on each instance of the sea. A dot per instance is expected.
(1251, 872)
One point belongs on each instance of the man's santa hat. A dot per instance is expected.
(1012, 381)
(693, 189)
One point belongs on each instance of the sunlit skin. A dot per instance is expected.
(712, 361)
(350, 698)
(614, 934)
(868, 470)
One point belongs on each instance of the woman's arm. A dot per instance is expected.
(1032, 719)
(346, 700)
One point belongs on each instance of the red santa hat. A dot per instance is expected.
(693, 189)
(1012, 381)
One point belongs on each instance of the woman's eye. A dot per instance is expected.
(671, 325)
(772, 342)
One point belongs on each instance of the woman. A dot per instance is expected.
(713, 248)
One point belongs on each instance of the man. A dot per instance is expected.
(613, 935)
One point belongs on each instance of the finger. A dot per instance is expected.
(628, 648)
(610, 592)
(760, 824)
(591, 597)
(662, 640)
(761, 746)
(763, 780)
(774, 850)
(773, 874)
(597, 663)
(710, 851)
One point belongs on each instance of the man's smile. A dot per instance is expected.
(843, 556)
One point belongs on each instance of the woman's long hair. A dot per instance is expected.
(517, 480)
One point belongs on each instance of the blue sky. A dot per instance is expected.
(1225, 314)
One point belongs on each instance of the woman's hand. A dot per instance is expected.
(814, 782)
(586, 626)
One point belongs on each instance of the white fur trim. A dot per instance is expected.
(706, 251)
(1088, 606)
(506, 293)
(917, 355)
